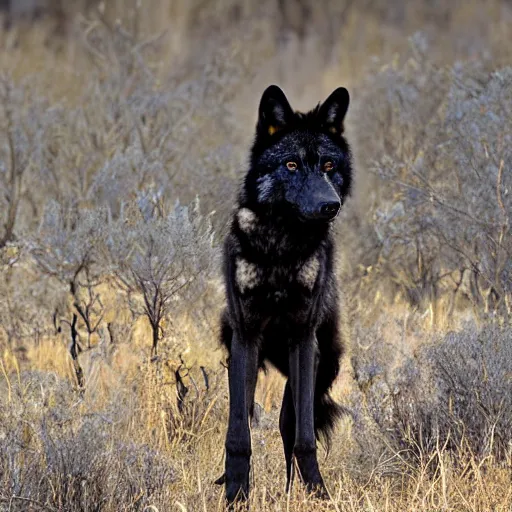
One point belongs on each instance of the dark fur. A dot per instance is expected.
(278, 268)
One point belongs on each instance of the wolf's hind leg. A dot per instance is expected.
(287, 428)
(303, 372)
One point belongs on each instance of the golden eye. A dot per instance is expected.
(328, 166)
(291, 166)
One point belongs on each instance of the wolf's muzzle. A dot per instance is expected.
(329, 210)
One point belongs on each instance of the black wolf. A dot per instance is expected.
(281, 290)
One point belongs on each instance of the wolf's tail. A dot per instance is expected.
(327, 413)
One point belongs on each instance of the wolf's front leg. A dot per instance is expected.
(303, 359)
(243, 373)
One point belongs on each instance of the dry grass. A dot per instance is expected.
(92, 104)
(127, 420)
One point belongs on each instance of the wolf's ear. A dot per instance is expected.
(274, 112)
(333, 109)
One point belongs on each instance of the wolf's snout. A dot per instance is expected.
(329, 210)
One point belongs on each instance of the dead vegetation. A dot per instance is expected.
(113, 387)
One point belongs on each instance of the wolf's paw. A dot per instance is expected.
(307, 465)
(237, 478)
(317, 490)
(221, 480)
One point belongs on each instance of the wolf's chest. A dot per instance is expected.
(275, 292)
(276, 280)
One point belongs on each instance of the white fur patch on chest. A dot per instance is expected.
(247, 219)
(309, 272)
(246, 274)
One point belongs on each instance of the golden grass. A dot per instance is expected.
(193, 441)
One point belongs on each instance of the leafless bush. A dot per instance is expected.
(56, 459)
(472, 370)
(453, 394)
(25, 121)
(66, 248)
(67, 242)
(127, 137)
(163, 257)
(26, 311)
(440, 138)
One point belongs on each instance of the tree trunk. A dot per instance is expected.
(74, 354)
(155, 329)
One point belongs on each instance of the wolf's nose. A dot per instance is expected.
(329, 210)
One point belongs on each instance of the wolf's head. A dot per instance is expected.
(300, 163)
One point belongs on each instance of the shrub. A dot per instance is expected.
(439, 138)
(455, 393)
(54, 457)
(164, 258)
